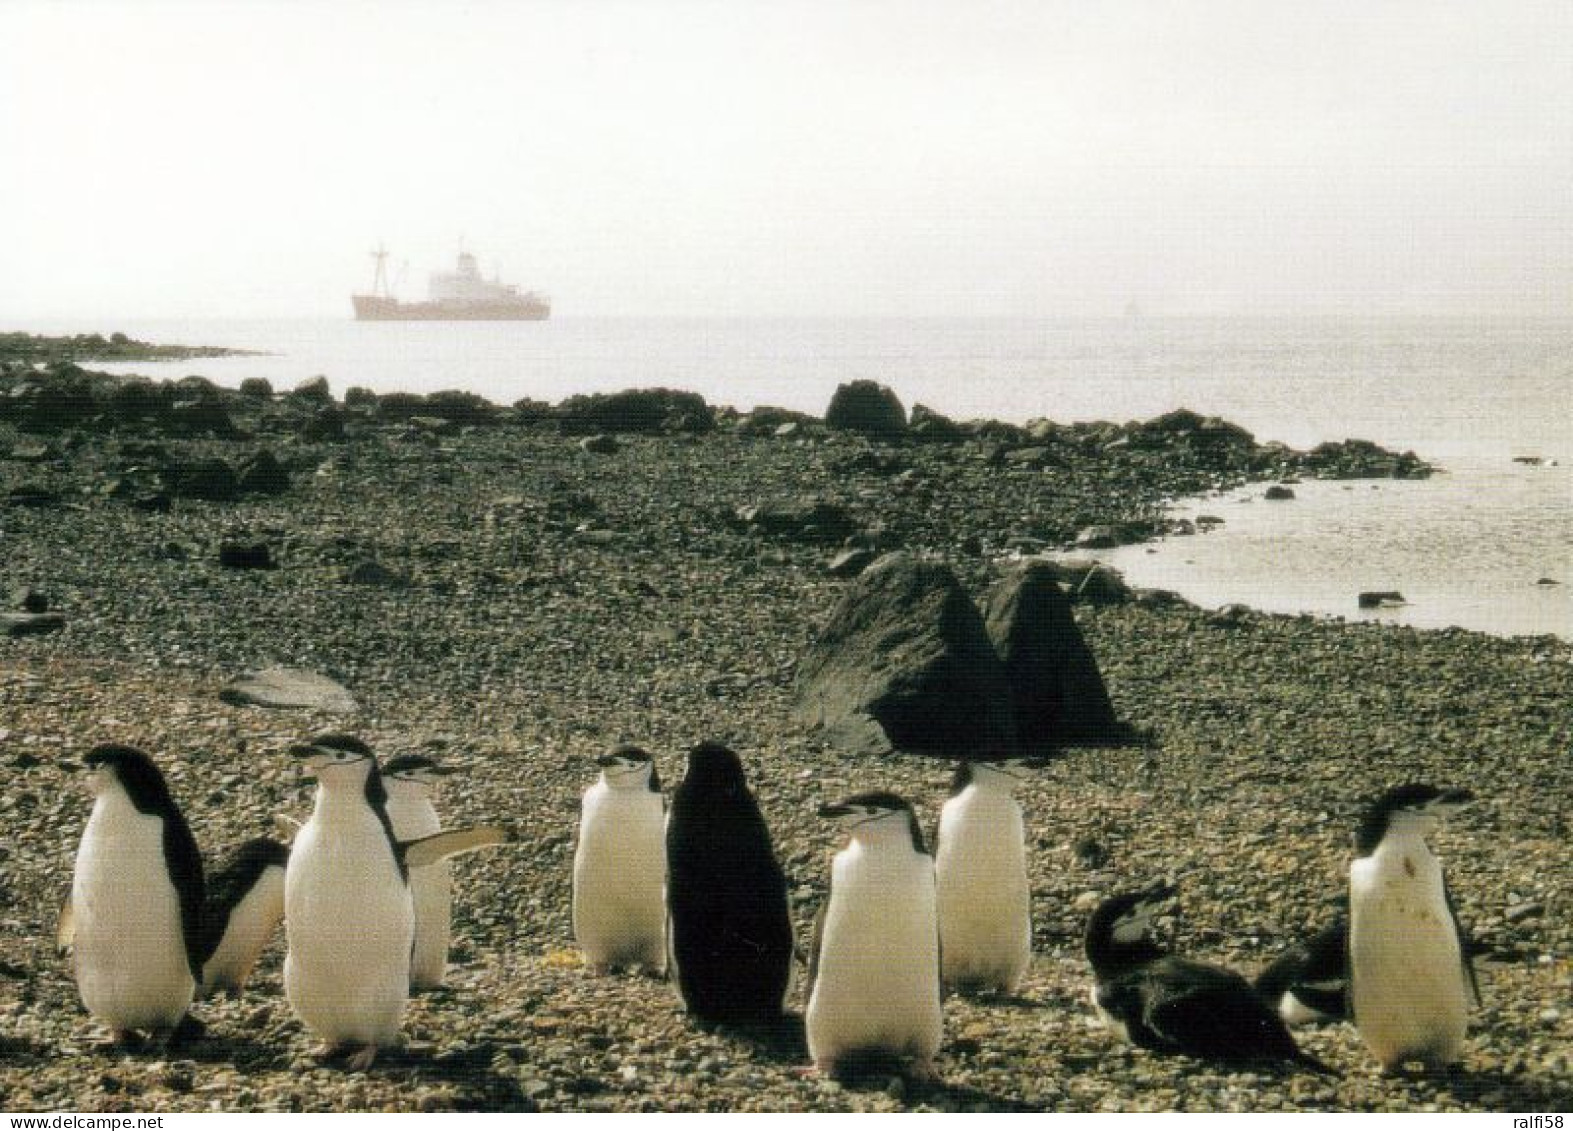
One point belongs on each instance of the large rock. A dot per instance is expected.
(808, 519)
(867, 407)
(636, 410)
(290, 688)
(904, 663)
(1058, 693)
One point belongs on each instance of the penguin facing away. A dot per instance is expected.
(245, 906)
(1411, 982)
(729, 924)
(411, 781)
(349, 912)
(1308, 983)
(874, 967)
(619, 866)
(135, 916)
(985, 903)
(1158, 1001)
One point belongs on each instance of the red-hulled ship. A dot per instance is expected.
(457, 296)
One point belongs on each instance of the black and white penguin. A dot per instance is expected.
(1158, 1001)
(135, 916)
(619, 866)
(348, 911)
(874, 967)
(1411, 982)
(985, 904)
(245, 906)
(1308, 983)
(729, 924)
(412, 781)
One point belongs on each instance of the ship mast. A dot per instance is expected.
(379, 282)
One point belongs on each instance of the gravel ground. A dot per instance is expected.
(544, 603)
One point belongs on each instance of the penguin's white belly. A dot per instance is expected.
(129, 950)
(431, 887)
(252, 922)
(350, 923)
(619, 878)
(1408, 988)
(985, 911)
(877, 988)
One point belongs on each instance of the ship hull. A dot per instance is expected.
(373, 308)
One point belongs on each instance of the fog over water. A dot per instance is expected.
(1016, 158)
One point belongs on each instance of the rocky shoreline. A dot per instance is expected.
(514, 589)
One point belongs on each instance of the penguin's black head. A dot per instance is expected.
(133, 771)
(1127, 918)
(331, 757)
(871, 811)
(416, 769)
(1003, 770)
(1414, 807)
(713, 763)
(628, 765)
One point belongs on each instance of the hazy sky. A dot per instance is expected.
(789, 157)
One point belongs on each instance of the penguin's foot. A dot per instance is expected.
(361, 1059)
(122, 1040)
(923, 1072)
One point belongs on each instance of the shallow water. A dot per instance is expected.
(1465, 548)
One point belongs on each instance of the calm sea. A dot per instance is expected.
(1475, 547)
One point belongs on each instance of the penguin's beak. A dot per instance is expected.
(66, 766)
(1456, 797)
(835, 810)
(305, 750)
(1159, 893)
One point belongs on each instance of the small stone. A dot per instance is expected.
(243, 555)
(1521, 911)
(1278, 493)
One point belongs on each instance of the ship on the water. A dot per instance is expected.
(460, 295)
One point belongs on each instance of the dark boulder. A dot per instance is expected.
(326, 425)
(245, 555)
(926, 424)
(462, 407)
(262, 474)
(809, 519)
(1058, 692)
(1381, 599)
(1278, 493)
(206, 416)
(636, 410)
(31, 624)
(601, 444)
(768, 420)
(256, 388)
(867, 407)
(904, 663)
(210, 479)
(313, 389)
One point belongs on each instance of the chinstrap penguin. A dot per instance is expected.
(349, 913)
(1308, 984)
(1411, 982)
(134, 920)
(874, 966)
(1158, 1001)
(729, 923)
(245, 906)
(985, 903)
(412, 781)
(619, 866)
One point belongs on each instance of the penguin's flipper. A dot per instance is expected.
(286, 826)
(1465, 949)
(453, 842)
(65, 933)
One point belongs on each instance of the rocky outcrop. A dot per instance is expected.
(1055, 686)
(867, 407)
(904, 663)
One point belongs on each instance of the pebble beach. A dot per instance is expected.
(514, 590)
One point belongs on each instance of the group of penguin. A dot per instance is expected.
(899, 924)
(363, 890)
(695, 893)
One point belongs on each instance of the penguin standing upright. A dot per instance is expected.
(412, 780)
(730, 927)
(1411, 982)
(874, 966)
(349, 915)
(1159, 1001)
(136, 911)
(619, 866)
(245, 906)
(1309, 982)
(985, 904)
